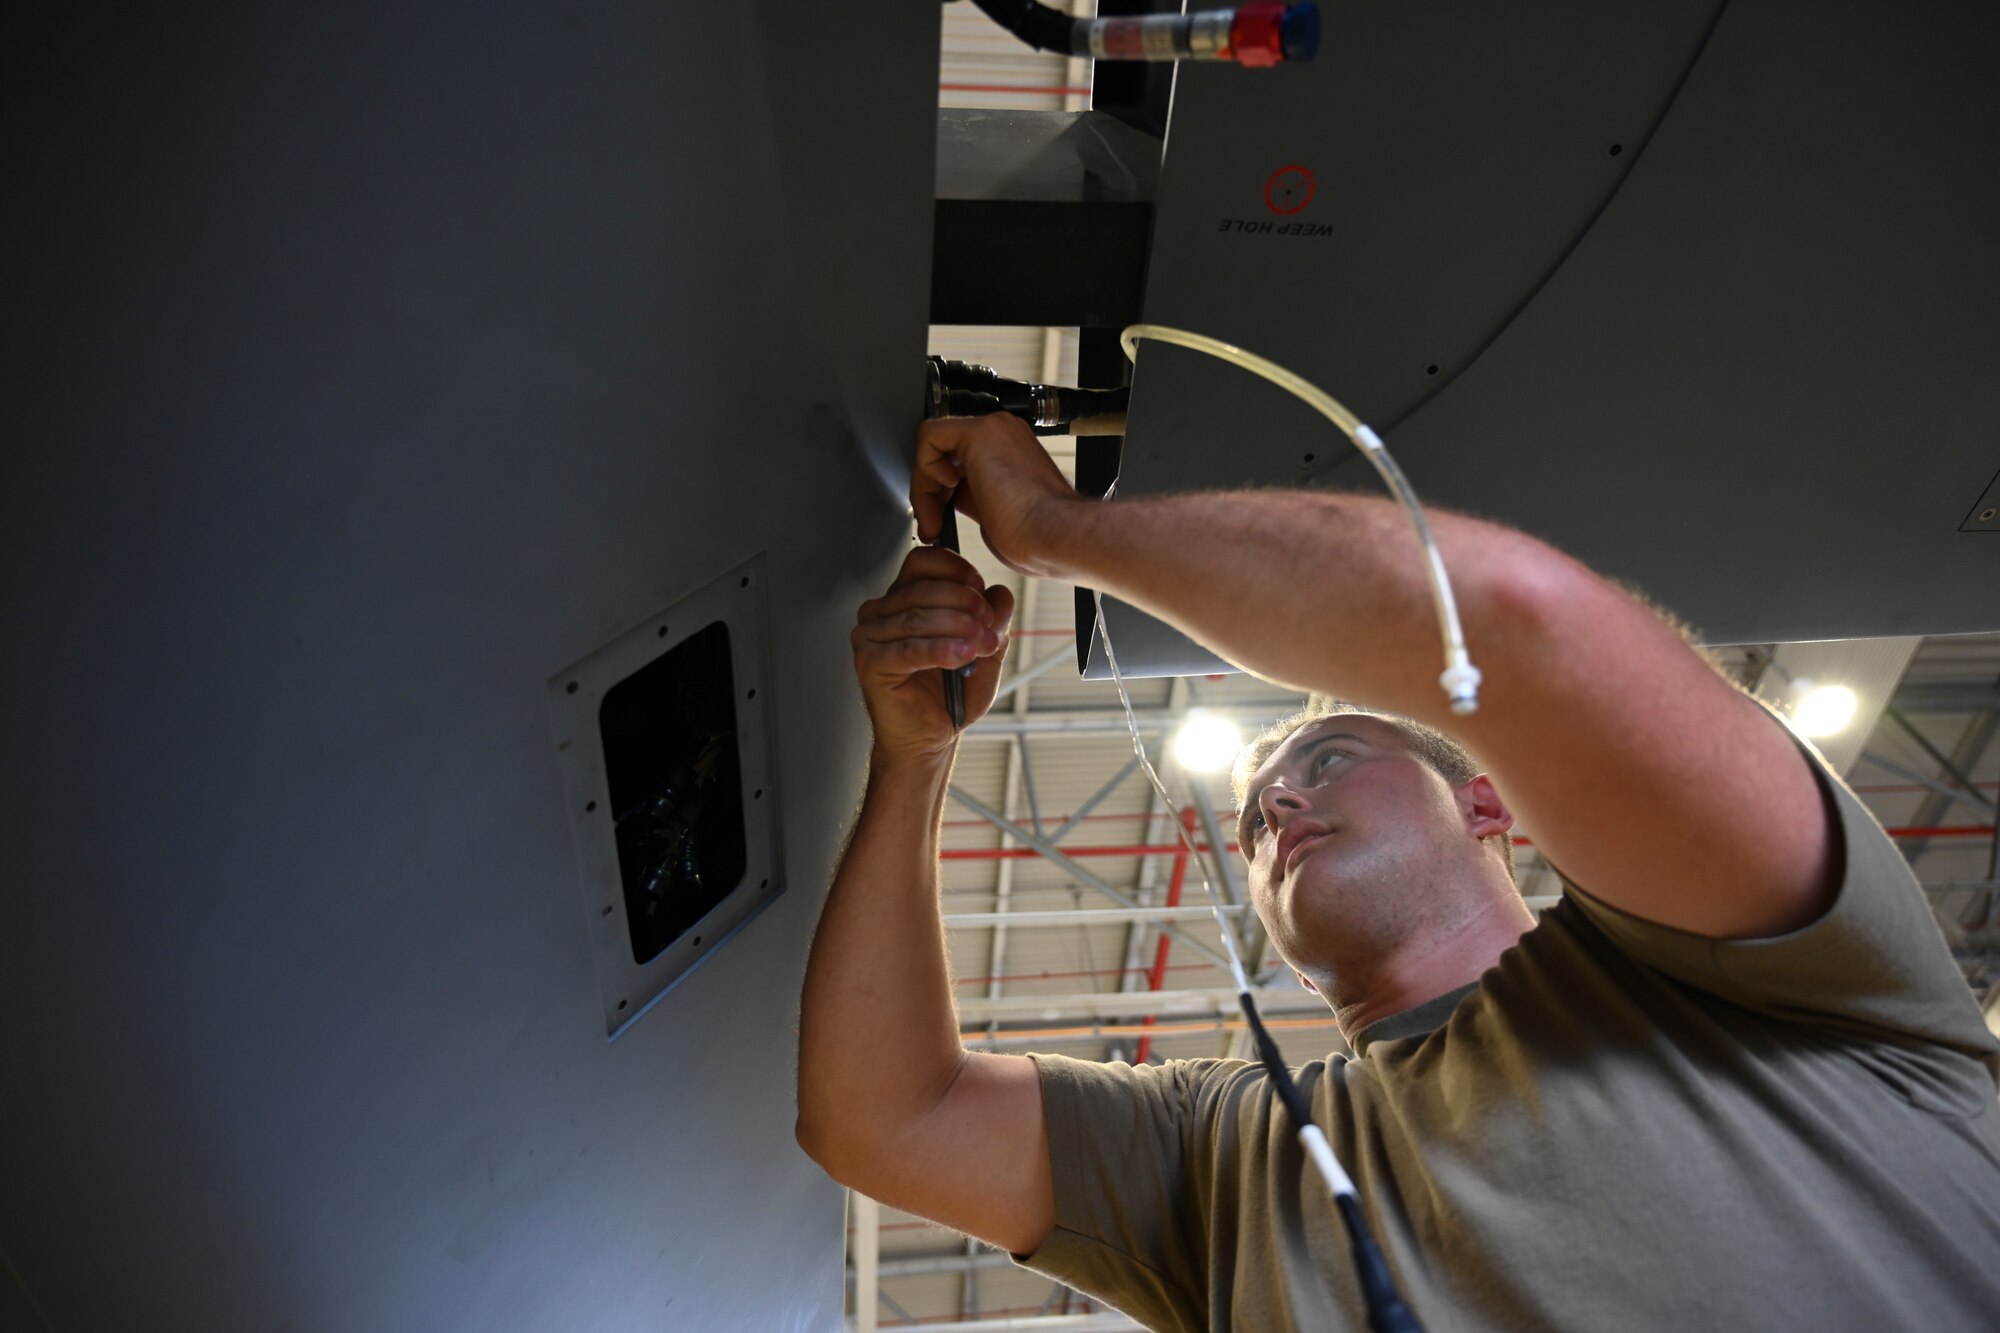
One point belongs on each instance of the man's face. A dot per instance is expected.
(1350, 839)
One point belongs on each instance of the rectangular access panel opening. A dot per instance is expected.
(675, 778)
(666, 740)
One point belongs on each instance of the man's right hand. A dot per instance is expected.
(1000, 476)
(937, 615)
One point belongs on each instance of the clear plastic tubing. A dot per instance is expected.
(1318, 1150)
(1460, 679)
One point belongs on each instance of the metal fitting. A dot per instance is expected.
(1208, 34)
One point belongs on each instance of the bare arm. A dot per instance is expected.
(1645, 775)
(889, 1102)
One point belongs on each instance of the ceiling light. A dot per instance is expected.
(1206, 743)
(1823, 710)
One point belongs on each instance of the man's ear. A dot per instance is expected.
(1485, 814)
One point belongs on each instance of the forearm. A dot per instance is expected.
(1342, 574)
(1617, 743)
(878, 1033)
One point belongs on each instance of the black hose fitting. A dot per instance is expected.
(1256, 34)
(962, 389)
(1039, 26)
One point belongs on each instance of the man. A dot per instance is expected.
(1732, 1081)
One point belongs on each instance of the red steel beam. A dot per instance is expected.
(1170, 849)
(1022, 853)
(1159, 972)
(1014, 88)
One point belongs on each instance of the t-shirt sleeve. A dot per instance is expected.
(1126, 1147)
(1874, 966)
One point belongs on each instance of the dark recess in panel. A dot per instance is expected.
(1030, 262)
(670, 757)
(1100, 364)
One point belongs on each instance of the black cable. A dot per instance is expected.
(1039, 26)
(1274, 1064)
(1386, 1311)
(963, 389)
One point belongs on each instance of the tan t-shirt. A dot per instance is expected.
(1620, 1127)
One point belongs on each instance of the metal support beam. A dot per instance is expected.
(968, 1293)
(984, 1259)
(1970, 796)
(1225, 864)
(1087, 916)
(1028, 782)
(1979, 697)
(1233, 887)
(1096, 798)
(1060, 657)
(1151, 721)
(1938, 757)
(1074, 868)
(1965, 756)
(1103, 1321)
(1094, 850)
(888, 1301)
(1943, 697)
(1157, 806)
(1003, 882)
(1203, 1002)
(1163, 946)
(867, 1260)
(1215, 1027)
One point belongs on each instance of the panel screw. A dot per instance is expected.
(1986, 515)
